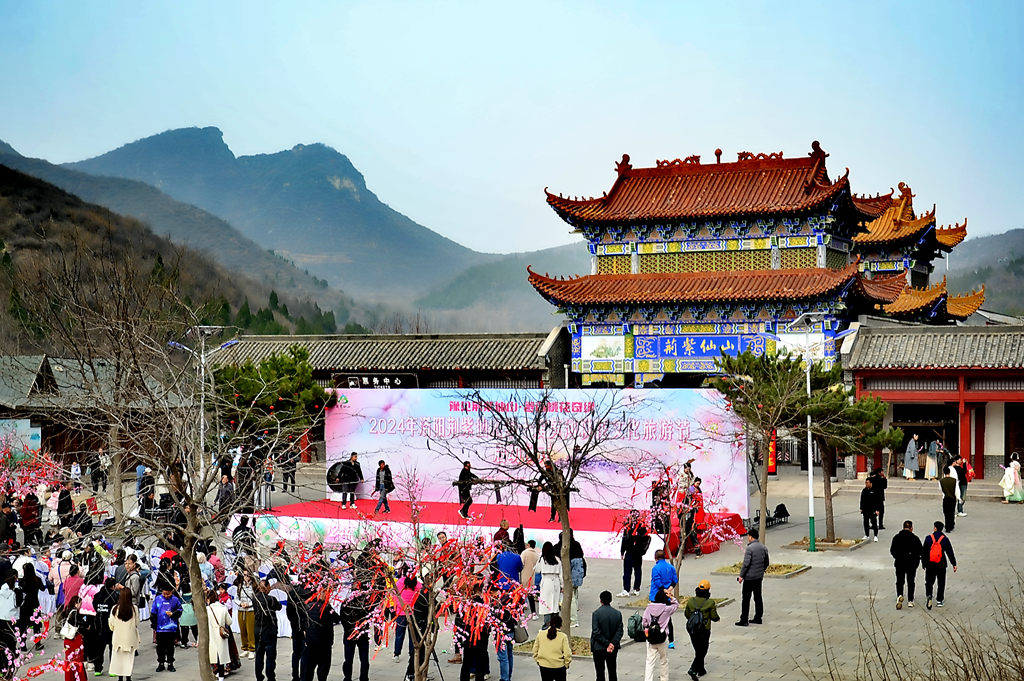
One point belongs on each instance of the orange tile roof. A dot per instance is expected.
(885, 289)
(872, 206)
(913, 300)
(897, 222)
(964, 306)
(680, 189)
(776, 285)
(951, 236)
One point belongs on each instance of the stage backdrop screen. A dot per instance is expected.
(425, 434)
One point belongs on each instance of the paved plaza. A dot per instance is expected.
(839, 586)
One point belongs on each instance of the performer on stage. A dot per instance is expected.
(465, 485)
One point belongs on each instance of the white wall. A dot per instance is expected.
(995, 429)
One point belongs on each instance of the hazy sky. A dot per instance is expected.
(459, 114)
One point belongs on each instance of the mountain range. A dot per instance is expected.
(308, 204)
(304, 221)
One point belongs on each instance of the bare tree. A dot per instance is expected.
(534, 441)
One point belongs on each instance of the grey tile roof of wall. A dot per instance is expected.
(931, 347)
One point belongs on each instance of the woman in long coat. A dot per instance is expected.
(910, 463)
(550, 582)
(124, 625)
(217, 616)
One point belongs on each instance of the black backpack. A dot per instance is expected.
(654, 633)
(696, 623)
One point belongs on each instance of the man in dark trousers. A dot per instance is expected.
(265, 609)
(383, 485)
(699, 627)
(605, 637)
(755, 563)
(351, 476)
(298, 618)
(465, 485)
(316, 658)
(948, 486)
(878, 483)
(936, 553)
(906, 554)
(869, 509)
(635, 542)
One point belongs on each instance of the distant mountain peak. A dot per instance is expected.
(6, 148)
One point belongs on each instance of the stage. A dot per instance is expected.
(597, 529)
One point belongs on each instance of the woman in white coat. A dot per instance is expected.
(218, 616)
(550, 582)
(124, 641)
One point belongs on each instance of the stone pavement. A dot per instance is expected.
(838, 586)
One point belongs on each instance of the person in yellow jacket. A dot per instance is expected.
(552, 652)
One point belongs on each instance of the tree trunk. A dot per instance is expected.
(116, 464)
(198, 603)
(567, 590)
(763, 523)
(828, 464)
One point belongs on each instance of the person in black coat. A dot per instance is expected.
(298, 618)
(878, 483)
(351, 476)
(316, 658)
(869, 509)
(383, 485)
(265, 607)
(635, 542)
(65, 507)
(465, 484)
(906, 554)
(936, 569)
(605, 637)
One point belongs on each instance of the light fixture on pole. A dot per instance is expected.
(202, 356)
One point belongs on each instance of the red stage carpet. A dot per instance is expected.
(483, 515)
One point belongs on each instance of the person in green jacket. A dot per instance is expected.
(700, 631)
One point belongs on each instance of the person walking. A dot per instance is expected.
(879, 483)
(218, 623)
(465, 486)
(246, 618)
(635, 542)
(910, 462)
(869, 509)
(964, 474)
(605, 637)
(8, 620)
(123, 624)
(700, 612)
(551, 651)
(30, 585)
(530, 556)
(265, 609)
(906, 554)
(289, 464)
(74, 647)
(949, 498)
(383, 485)
(936, 554)
(165, 611)
(755, 563)
(550, 582)
(1010, 483)
(351, 476)
(655, 620)
(663, 575)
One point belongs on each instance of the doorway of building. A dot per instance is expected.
(932, 422)
(1014, 421)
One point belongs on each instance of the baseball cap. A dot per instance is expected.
(704, 584)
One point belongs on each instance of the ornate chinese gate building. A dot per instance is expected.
(690, 259)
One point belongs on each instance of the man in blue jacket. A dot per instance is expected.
(663, 575)
(509, 565)
(165, 611)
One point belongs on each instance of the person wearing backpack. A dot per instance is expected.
(700, 612)
(906, 554)
(936, 551)
(605, 637)
(655, 620)
(950, 492)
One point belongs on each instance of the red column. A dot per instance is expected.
(862, 463)
(965, 432)
(979, 441)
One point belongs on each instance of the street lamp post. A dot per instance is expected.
(808, 356)
(202, 356)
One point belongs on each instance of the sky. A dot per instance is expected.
(460, 114)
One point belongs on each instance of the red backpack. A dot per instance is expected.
(935, 552)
